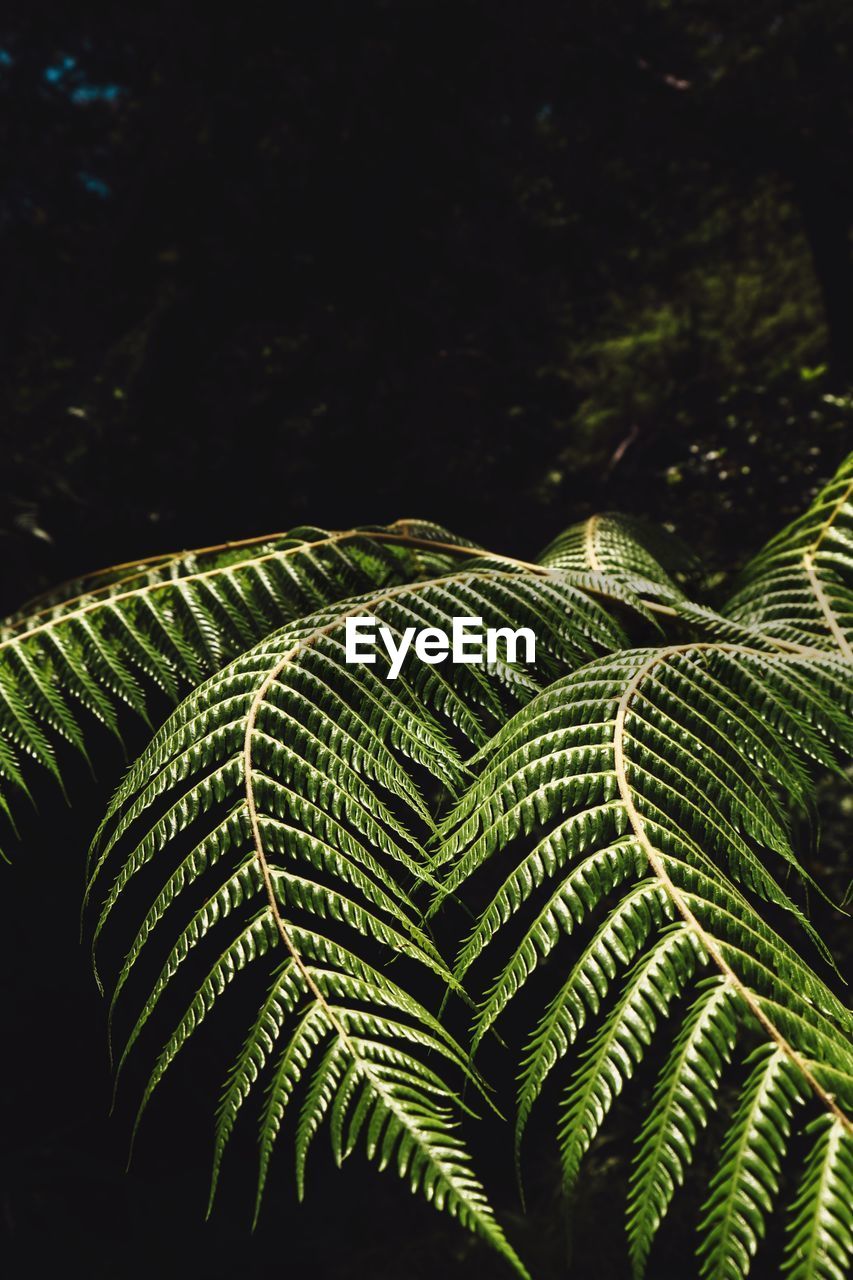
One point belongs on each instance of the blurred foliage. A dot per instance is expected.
(498, 264)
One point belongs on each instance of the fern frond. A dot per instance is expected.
(280, 810)
(626, 550)
(658, 977)
(800, 586)
(614, 947)
(646, 785)
(110, 640)
(281, 836)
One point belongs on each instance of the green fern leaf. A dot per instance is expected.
(281, 835)
(645, 786)
(618, 1047)
(281, 806)
(820, 1231)
(108, 640)
(626, 550)
(800, 586)
(745, 1186)
(685, 1094)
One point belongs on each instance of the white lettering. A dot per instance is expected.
(461, 637)
(396, 652)
(432, 645)
(512, 638)
(354, 638)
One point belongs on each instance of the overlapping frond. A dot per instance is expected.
(279, 817)
(626, 550)
(108, 641)
(648, 790)
(800, 586)
(283, 834)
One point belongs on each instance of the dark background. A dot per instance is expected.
(496, 265)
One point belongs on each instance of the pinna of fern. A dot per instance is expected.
(646, 786)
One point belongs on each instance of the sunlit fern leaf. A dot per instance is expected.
(641, 788)
(281, 836)
(685, 1094)
(103, 584)
(660, 975)
(744, 1188)
(277, 820)
(615, 945)
(800, 586)
(820, 1229)
(167, 625)
(626, 550)
(690, 729)
(584, 885)
(426, 543)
